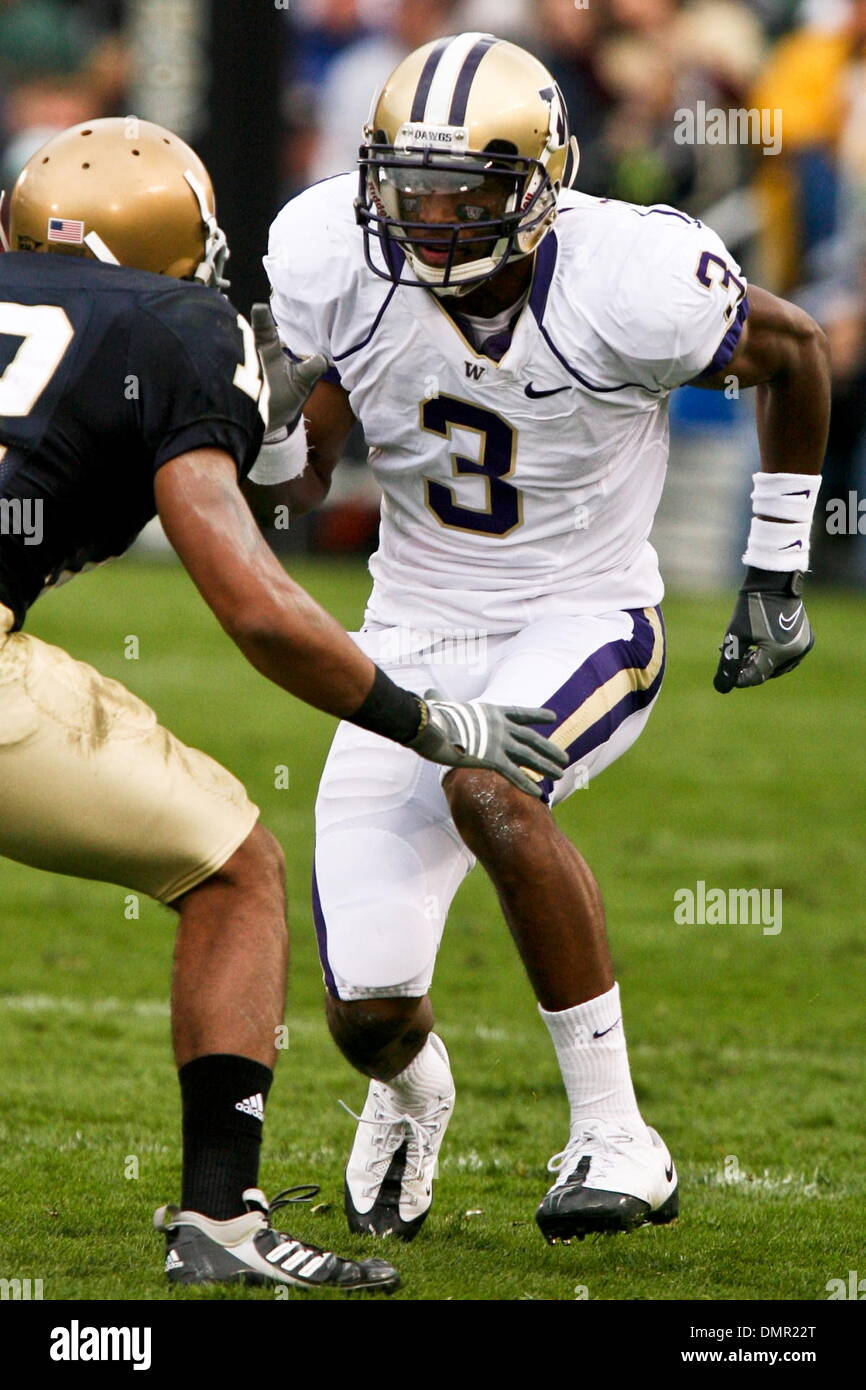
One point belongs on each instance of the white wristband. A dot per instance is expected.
(281, 459)
(777, 545)
(781, 542)
(785, 496)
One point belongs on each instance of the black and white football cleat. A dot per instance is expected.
(248, 1250)
(389, 1176)
(610, 1179)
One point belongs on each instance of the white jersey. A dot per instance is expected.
(526, 487)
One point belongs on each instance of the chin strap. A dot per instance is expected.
(93, 241)
(572, 163)
(216, 248)
(458, 291)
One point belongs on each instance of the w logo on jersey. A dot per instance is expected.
(475, 370)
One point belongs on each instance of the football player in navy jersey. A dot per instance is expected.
(129, 387)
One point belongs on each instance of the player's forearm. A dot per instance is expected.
(289, 639)
(280, 629)
(793, 408)
(769, 633)
(284, 633)
(271, 505)
(305, 494)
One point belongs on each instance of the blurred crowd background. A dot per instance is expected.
(796, 220)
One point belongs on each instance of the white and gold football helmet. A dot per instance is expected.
(465, 151)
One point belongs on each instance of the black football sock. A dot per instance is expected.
(223, 1112)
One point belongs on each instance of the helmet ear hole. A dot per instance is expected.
(501, 147)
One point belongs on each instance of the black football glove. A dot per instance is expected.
(769, 633)
(290, 383)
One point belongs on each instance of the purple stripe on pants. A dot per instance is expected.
(616, 656)
(322, 937)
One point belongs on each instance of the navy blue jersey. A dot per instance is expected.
(106, 374)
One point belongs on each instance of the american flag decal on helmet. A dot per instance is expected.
(66, 229)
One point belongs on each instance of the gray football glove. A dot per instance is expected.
(769, 633)
(290, 383)
(492, 736)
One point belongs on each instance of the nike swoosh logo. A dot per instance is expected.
(803, 493)
(786, 626)
(795, 545)
(607, 1030)
(538, 395)
(669, 1173)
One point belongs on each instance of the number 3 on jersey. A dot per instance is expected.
(496, 460)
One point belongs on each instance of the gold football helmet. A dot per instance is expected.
(125, 191)
(465, 151)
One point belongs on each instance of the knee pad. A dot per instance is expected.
(379, 923)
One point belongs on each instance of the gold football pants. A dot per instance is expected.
(92, 785)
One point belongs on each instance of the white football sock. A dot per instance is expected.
(590, 1047)
(425, 1082)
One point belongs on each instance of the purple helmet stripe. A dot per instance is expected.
(425, 82)
(466, 76)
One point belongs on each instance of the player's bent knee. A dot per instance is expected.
(379, 922)
(257, 865)
(491, 815)
(366, 1030)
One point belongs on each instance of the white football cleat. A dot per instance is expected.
(610, 1179)
(389, 1176)
(249, 1250)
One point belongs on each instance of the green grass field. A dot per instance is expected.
(746, 1047)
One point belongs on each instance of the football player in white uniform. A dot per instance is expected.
(509, 347)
